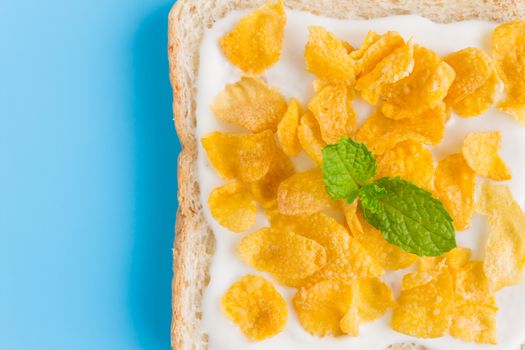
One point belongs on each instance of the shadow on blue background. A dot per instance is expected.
(155, 170)
(88, 156)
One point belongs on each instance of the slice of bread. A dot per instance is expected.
(188, 20)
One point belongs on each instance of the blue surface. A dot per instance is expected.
(88, 175)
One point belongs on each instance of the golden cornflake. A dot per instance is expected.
(375, 49)
(354, 262)
(425, 310)
(287, 129)
(480, 150)
(410, 161)
(310, 138)
(282, 253)
(246, 157)
(475, 323)
(380, 133)
(480, 100)
(335, 115)
(256, 307)
(321, 307)
(327, 57)
(425, 87)
(256, 41)
(392, 68)
(319, 227)
(265, 189)
(387, 255)
(508, 41)
(374, 298)
(233, 206)
(250, 103)
(505, 245)
(303, 193)
(473, 89)
(454, 183)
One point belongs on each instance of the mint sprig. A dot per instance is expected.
(347, 165)
(406, 215)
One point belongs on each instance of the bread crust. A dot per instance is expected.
(188, 20)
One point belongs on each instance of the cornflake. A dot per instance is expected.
(288, 128)
(256, 307)
(309, 134)
(303, 193)
(387, 255)
(246, 157)
(282, 253)
(509, 49)
(454, 183)
(410, 161)
(391, 68)
(327, 57)
(333, 112)
(265, 189)
(380, 133)
(480, 150)
(424, 309)
(474, 87)
(250, 103)
(233, 206)
(424, 88)
(505, 245)
(256, 41)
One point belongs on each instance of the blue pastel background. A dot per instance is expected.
(88, 177)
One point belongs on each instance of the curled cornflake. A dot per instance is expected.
(454, 184)
(246, 157)
(256, 41)
(309, 134)
(332, 307)
(256, 307)
(319, 227)
(233, 206)
(480, 100)
(424, 308)
(505, 245)
(371, 38)
(374, 298)
(410, 161)
(475, 322)
(508, 42)
(380, 133)
(327, 57)
(480, 150)
(387, 255)
(288, 128)
(265, 189)
(389, 69)
(303, 193)
(354, 262)
(474, 87)
(321, 307)
(282, 253)
(332, 110)
(250, 103)
(425, 87)
(375, 48)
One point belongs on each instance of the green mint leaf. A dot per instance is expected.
(408, 217)
(347, 165)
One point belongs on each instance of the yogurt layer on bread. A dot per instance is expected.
(291, 79)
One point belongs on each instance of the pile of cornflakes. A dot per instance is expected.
(323, 248)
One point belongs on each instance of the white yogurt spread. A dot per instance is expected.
(290, 77)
